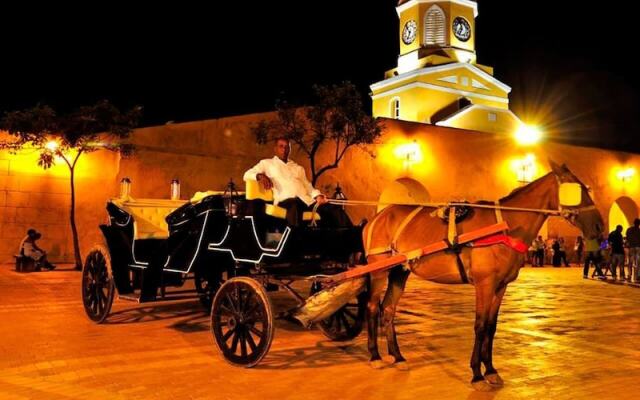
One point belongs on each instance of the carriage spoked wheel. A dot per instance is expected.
(98, 288)
(242, 321)
(346, 323)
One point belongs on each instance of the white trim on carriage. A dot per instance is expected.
(277, 250)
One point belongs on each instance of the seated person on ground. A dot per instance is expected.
(291, 189)
(29, 248)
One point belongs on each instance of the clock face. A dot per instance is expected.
(409, 32)
(461, 29)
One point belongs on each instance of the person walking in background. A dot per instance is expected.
(556, 253)
(592, 247)
(579, 249)
(633, 242)
(616, 245)
(538, 252)
(563, 252)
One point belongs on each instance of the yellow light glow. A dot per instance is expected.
(525, 168)
(403, 156)
(528, 135)
(52, 146)
(626, 175)
(409, 153)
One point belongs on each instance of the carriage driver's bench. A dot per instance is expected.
(255, 191)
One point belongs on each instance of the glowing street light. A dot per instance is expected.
(626, 174)
(525, 169)
(52, 146)
(409, 153)
(528, 135)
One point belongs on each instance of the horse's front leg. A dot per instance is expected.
(377, 281)
(484, 298)
(491, 374)
(397, 280)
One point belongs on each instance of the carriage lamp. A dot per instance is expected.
(528, 135)
(339, 194)
(229, 197)
(125, 188)
(175, 189)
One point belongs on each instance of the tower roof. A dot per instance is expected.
(401, 2)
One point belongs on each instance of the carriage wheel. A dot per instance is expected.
(98, 287)
(346, 323)
(206, 287)
(242, 321)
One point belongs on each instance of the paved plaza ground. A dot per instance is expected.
(559, 337)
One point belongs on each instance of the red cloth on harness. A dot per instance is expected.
(515, 244)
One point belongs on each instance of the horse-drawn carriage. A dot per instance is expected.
(236, 257)
(235, 248)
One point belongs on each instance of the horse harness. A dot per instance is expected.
(451, 215)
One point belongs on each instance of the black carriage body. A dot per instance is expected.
(270, 244)
(205, 242)
(150, 263)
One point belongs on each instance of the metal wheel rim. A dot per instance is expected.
(347, 322)
(97, 286)
(242, 322)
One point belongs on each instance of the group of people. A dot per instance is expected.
(617, 250)
(552, 251)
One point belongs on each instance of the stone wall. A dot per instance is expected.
(454, 165)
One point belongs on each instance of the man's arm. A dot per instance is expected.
(252, 173)
(258, 173)
(314, 193)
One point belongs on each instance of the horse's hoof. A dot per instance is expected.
(482, 386)
(377, 364)
(494, 380)
(401, 366)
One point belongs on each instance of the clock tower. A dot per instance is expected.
(437, 79)
(436, 32)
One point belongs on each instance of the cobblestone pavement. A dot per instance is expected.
(559, 337)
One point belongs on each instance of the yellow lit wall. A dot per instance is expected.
(31, 197)
(478, 120)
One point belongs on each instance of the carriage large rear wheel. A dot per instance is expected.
(242, 321)
(98, 288)
(346, 323)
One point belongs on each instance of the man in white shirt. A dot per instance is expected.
(291, 189)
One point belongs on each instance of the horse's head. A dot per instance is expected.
(584, 215)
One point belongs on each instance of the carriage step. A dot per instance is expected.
(125, 297)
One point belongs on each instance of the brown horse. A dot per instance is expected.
(490, 269)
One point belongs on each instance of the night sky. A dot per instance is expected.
(569, 66)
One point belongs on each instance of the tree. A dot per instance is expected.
(67, 137)
(337, 118)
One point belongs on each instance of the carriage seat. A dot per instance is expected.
(149, 215)
(255, 191)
